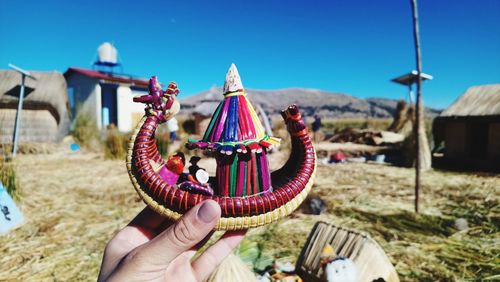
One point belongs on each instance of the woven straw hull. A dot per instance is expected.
(370, 259)
(291, 183)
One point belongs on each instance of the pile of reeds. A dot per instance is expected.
(29, 148)
(115, 144)
(336, 125)
(85, 131)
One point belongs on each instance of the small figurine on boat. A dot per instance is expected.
(248, 193)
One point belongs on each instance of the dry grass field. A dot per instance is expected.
(75, 202)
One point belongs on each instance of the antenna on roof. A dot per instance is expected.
(24, 74)
(107, 58)
(409, 79)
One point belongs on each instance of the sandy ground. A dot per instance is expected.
(75, 202)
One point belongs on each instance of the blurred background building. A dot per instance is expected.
(104, 94)
(468, 132)
(45, 116)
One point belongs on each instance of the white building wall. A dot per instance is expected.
(124, 94)
(87, 96)
(97, 105)
(128, 110)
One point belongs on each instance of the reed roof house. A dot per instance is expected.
(45, 116)
(469, 129)
(202, 111)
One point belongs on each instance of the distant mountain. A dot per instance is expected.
(311, 101)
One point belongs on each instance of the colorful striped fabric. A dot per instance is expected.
(234, 127)
(238, 136)
(234, 120)
(236, 131)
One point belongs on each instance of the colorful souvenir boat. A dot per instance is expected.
(248, 193)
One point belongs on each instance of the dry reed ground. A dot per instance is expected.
(74, 203)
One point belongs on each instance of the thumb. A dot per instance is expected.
(193, 227)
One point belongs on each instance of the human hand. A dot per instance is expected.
(152, 248)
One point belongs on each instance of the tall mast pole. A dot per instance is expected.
(418, 127)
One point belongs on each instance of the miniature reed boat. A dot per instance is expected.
(248, 193)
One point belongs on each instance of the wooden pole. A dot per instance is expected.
(418, 127)
(17, 125)
(15, 140)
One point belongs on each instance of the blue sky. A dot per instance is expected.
(348, 46)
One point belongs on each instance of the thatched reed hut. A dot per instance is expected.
(203, 111)
(45, 116)
(469, 130)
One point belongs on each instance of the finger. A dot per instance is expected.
(202, 243)
(182, 262)
(181, 267)
(178, 238)
(139, 231)
(215, 254)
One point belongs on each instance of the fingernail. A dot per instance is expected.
(208, 211)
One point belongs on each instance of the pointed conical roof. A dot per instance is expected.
(235, 123)
(233, 81)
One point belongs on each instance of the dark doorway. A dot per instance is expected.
(478, 146)
(109, 105)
